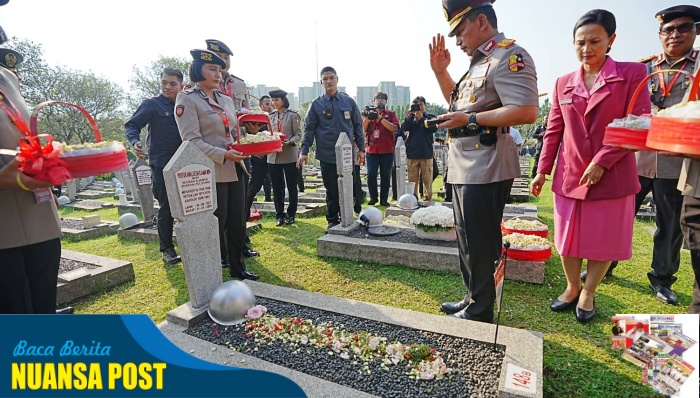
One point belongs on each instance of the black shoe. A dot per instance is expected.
(302, 190)
(67, 310)
(559, 306)
(248, 253)
(584, 316)
(170, 257)
(385, 203)
(463, 315)
(224, 263)
(372, 202)
(249, 275)
(268, 199)
(280, 221)
(609, 272)
(451, 307)
(331, 225)
(665, 295)
(290, 220)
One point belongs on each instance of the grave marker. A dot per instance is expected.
(190, 183)
(344, 164)
(400, 161)
(142, 178)
(72, 188)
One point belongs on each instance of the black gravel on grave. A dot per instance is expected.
(405, 236)
(69, 265)
(477, 364)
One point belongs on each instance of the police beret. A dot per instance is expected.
(10, 58)
(3, 2)
(456, 10)
(277, 93)
(218, 47)
(669, 14)
(207, 57)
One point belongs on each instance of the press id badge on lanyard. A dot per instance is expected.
(43, 195)
(375, 135)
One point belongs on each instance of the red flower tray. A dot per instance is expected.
(99, 163)
(675, 135)
(530, 255)
(258, 148)
(623, 137)
(253, 118)
(508, 231)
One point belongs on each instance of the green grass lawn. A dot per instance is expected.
(578, 360)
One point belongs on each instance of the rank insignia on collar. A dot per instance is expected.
(489, 46)
(515, 62)
(179, 110)
(487, 58)
(694, 55)
(506, 43)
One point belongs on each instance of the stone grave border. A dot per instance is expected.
(142, 232)
(104, 205)
(104, 228)
(304, 210)
(82, 282)
(523, 348)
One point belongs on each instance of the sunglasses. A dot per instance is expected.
(682, 28)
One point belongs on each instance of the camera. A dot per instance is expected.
(371, 112)
(415, 106)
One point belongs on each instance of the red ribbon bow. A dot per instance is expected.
(42, 162)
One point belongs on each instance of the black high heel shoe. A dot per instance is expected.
(584, 316)
(560, 306)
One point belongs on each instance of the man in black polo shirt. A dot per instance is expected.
(162, 142)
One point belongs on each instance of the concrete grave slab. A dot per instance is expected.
(89, 205)
(81, 282)
(304, 210)
(77, 229)
(147, 232)
(90, 194)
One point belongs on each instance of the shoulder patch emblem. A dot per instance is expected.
(646, 59)
(506, 43)
(515, 62)
(179, 110)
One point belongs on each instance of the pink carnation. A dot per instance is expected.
(256, 312)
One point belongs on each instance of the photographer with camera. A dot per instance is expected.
(379, 125)
(419, 147)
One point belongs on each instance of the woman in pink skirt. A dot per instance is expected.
(593, 184)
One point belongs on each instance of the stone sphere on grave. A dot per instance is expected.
(63, 200)
(128, 220)
(370, 217)
(119, 191)
(408, 201)
(230, 302)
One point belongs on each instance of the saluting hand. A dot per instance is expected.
(592, 175)
(439, 55)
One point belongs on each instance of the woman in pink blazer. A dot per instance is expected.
(593, 184)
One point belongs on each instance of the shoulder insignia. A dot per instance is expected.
(236, 78)
(646, 59)
(515, 62)
(179, 110)
(505, 43)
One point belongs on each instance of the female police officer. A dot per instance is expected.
(282, 165)
(206, 117)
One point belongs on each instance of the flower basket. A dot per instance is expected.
(528, 247)
(525, 227)
(273, 144)
(450, 235)
(678, 134)
(86, 162)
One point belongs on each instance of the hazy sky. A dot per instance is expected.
(274, 41)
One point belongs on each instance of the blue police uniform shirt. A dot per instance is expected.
(163, 135)
(328, 116)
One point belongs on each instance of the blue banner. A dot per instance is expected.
(115, 356)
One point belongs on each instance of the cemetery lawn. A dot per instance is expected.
(578, 360)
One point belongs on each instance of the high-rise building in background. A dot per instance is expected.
(308, 94)
(398, 95)
(364, 95)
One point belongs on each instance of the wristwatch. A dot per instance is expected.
(473, 126)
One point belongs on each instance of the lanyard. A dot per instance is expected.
(13, 114)
(224, 118)
(228, 92)
(665, 92)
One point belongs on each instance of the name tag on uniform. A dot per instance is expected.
(565, 101)
(211, 111)
(347, 115)
(43, 195)
(480, 71)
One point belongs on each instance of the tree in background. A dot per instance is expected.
(144, 82)
(98, 95)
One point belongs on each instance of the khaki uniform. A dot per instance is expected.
(26, 221)
(651, 164)
(501, 73)
(290, 125)
(198, 122)
(235, 88)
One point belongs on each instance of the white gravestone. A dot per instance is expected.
(191, 187)
(400, 161)
(344, 163)
(72, 188)
(142, 176)
(131, 183)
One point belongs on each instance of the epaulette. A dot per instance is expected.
(647, 59)
(505, 43)
(188, 91)
(236, 77)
